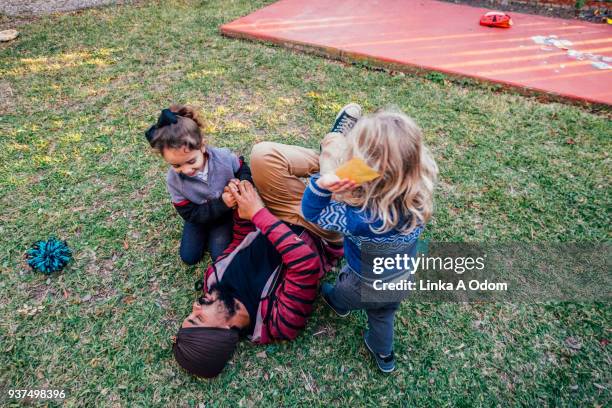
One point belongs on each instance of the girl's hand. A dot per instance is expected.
(333, 183)
(248, 200)
(227, 196)
(228, 199)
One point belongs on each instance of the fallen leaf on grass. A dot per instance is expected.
(28, 310)
(573, 343)
(309, 383)
(129, 299)
(262, 354)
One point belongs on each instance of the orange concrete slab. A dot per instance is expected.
(445, 37)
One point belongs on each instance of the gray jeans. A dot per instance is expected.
(347, 295)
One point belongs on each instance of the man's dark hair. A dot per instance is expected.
(204, 351)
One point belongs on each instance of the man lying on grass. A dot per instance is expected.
(265, 282)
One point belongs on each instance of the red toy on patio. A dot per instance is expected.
(496, 19)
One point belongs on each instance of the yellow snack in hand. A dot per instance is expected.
(356, 170)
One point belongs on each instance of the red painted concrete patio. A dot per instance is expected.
(444, 37)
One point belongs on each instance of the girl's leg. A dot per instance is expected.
(277, 169)
(220, 236)
(193, 243)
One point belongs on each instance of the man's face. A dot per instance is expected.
(211, 313)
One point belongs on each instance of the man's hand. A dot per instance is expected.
(333, 183)
(233, 181)
(247, 198)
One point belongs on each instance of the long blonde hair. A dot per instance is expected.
(402, 197)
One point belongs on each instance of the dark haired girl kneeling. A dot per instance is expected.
(196, 180)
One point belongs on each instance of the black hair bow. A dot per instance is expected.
(166, 117)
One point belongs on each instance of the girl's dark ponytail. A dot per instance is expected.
(179, 126)
(187, 111)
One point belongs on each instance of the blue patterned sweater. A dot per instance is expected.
(319, 208)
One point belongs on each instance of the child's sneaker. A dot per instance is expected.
(346, 118)
(385, 364)
(326, 289)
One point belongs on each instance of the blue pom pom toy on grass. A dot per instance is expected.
(49, 256)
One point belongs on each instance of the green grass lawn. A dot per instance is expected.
(77, 92)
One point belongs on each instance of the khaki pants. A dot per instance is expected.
(277, 171)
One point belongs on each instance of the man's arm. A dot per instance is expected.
(296, 255)
(293, 304)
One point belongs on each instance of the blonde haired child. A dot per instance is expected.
(390, 210)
